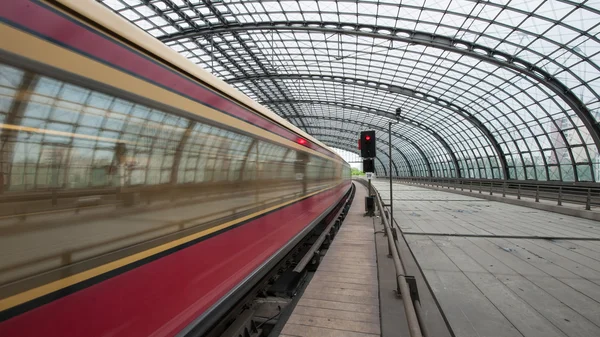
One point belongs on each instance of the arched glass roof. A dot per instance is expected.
(494, 89)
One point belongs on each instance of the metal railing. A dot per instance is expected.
(412, 306)
(403, 288)
(587, 194)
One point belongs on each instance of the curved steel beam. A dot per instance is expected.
(412, 37)
(350, 140)
(347, 148)
(377, 127)
(230, 58)
(393, 117)
(405, 92)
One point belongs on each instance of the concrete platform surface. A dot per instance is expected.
(490, 271)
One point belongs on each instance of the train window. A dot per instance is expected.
(270, 157)
(45, 86)
(288, 165)
(10, 80)
(250, 165)
(73, 133)
(209, 169)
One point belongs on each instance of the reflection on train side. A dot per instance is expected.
(83, 174)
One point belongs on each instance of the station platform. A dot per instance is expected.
(498, 269)
(342, 299)
(486, 268)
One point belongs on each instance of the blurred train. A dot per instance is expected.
(138, 193)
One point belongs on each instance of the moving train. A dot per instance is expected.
(138, 193)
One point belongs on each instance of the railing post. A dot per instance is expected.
(480, 186)
(537, 193)
(386, 234)
(519, 191)
(491, 188)
(470, 186)
(588, 200)
(560, 196)
(503, 190)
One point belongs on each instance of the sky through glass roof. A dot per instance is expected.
(494, 89)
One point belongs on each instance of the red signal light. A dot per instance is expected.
(302, 141)
(368, 140)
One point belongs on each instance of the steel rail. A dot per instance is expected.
(414, 327)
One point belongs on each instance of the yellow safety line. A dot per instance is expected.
(48, 288)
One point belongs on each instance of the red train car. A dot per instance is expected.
(138, 194)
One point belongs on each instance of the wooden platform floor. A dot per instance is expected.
(491, 273)
(342, 298)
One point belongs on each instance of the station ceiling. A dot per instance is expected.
(480, 89)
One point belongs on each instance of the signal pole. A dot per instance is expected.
(390, 169)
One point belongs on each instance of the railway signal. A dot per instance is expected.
(367, 144)
(369, 165)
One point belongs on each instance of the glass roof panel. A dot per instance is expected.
(505, 89)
